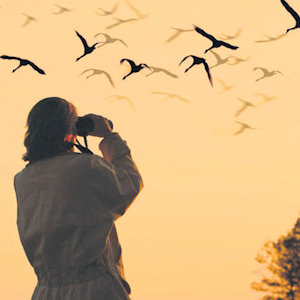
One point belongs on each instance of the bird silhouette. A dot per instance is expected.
(231, 37)
(243, 127)
(98, 72)
(109, 39)
(157, 70)
(61, 10)
(225, 86)
(120, 21)
(270, 38)
(134, 68)
(87, 49)
(266, 98)
(120, 97)
(197, 61)
(109, 12)
(267, 73)
(29, 19)
(216, 43)
(24, 62)
(220, 61)
(246, 104)
(170, 95)
(238, 60)
(177, 33)
(140, 16)
(294, 15)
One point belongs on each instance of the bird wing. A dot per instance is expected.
(263, 69)
(239, 131)
(35, 67)
(291, 11)
(240, 110)
(228, 45)
(208, 72)
(202, 32)
(85, 45)
(146, 66)
(216, 55)
(109, 78)
(122, 42)
(134, 9)
(10, 57)
(184, 59)
(86, 71)
(131, 62)
(169, 73)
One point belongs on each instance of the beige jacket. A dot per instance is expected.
(66, 208)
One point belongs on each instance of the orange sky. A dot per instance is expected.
(211, 199)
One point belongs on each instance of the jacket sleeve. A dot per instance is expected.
(117, 175)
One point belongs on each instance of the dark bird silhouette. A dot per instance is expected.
(109, 39)
(157, 70)
(238, 60)
(109, 12)
(270, 38)
(177, 33)
(294, 15)
(220, 61)
(170, 95)
(87, 49)
(243, 127)
(216, 43)
(197, 61)
(267, 73)
(24, 62)
(120, 21)
(225, 86)
(140, 16)
(98, 72)
(266, 98)
(246, 104)
(29, 19)
(120, 97)
(61, 10)
(231, 37)
(134, 68)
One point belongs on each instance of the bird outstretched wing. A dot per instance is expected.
(184, 59)
(228, 45)
(10, 57)
(85, 45)
(35, 67)
(291, 11)
(202, 32)
(208, 72)
(131, 62)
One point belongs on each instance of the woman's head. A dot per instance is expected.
(51, 129)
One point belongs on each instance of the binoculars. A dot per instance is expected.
(85, 125)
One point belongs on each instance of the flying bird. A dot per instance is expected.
(98, 72)
(270, 38)
(266, 98)
(246, 104)
(243, 127)
(157, 70)
(109, 12)
(266, 73)
(87, 49)
(134, 68)
(109, 39)
(120, 21)
(177, 33)
(120, 97)
(24, 62)
(225, 86)
(140, 16)
(170, 95)
(220, 61)
(197, 61)
(231, 37)
(238, 60)
(216, 43)
(61, 10)
(294, 15)
(29, 19)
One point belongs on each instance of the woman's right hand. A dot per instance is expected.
(102, 127)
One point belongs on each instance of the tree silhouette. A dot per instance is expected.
(282, 262)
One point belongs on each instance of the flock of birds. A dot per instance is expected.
(135, 68)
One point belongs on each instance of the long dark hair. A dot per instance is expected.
(48, 123)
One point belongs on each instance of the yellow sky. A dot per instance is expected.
(211, 199)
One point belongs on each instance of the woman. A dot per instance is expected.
(67, 204)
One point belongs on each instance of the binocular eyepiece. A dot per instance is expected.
(85, 125)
